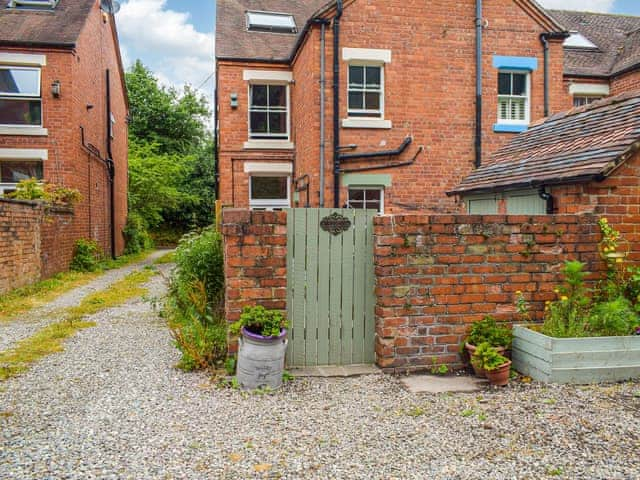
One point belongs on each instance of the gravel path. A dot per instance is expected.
(112, 406)
(34, 320)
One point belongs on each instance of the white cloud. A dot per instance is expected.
(167, 42)
(584, 5)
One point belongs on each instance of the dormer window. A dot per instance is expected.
(271, 22)
(577, 40)
(33, 4)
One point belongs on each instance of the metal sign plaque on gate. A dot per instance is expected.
(335, 224)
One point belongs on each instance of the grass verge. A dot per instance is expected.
(168, 257)
(27, 298)
(50, 339)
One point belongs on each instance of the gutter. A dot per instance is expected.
(19, 43)
(531, 184)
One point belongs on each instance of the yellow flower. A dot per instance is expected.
(518, 292)
(564, 298)
(606, 249)
(604, 220)
(548, 302)
(618, 260)
(555, 290)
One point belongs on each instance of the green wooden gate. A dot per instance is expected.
(330, 288)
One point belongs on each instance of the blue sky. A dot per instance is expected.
(175, 38)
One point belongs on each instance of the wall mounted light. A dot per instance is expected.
(56, 88)
(234, 100)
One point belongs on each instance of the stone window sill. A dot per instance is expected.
(27, 131)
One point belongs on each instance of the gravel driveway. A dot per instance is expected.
(112, 406)
(32, 321)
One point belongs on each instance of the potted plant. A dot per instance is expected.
(262, 347)
(496, 366)
(487, 331)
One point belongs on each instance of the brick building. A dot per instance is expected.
(405, 129)
(602, 55)
(408, 128)
(63, 111)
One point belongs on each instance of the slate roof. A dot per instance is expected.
(583, 144)
(616, 36)
(234, 41)
(58, 27)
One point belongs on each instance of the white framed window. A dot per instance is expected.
(269, 191)
(13, 171)
(268, 111)
(366, 91)
(271, 22)
(20, 99)
(371, 198)
(514, 97)
(581, 100)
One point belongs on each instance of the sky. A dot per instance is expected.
(175, 38)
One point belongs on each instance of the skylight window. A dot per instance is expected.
(34, 4)
(577, 40)
(271, 22)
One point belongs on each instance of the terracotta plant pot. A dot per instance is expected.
(500, 376)
(478, 370)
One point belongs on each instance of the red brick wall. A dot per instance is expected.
(255, 255)
(57, 239)
(626, 82)
(81, 72)
(617, 198)
(234, 184)
(438, 274)
(33, 244)
(429, 94)
(435, 275)
(19, 244)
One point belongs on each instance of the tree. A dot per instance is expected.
(171, 156)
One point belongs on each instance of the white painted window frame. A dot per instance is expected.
(589, 89)
(527, 109)
(20, 154)
(271, 204)
(268, 77)
(367, 187)
(25, 97)
(368, 57)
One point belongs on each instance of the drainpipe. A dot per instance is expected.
(478, 139)
(323, 83)
(336, 104)
(111, 168)
(545, 44)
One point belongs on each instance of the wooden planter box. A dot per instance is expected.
(575, 360)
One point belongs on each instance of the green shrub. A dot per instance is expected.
(615, 318)
(487, 330)
(194, 308)
(136, 236)
(33, 189)
(260, 321)
(86, 256)
(198, 329)
(199, 257)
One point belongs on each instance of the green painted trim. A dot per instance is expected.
(365, 179)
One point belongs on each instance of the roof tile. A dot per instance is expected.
(582, 143)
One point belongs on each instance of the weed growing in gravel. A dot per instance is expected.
(166, 258)
(45, 342)
(469, 412)
(416, 411)
(121, 291)
(554, 471)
